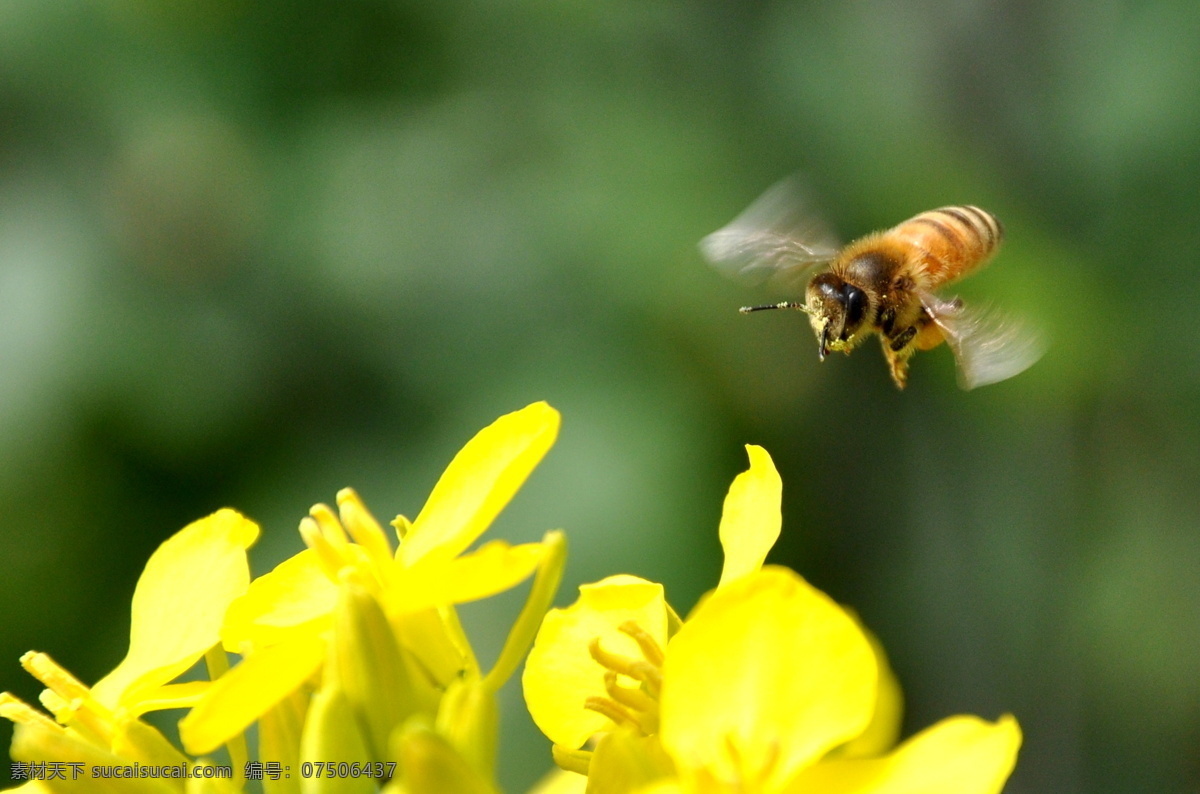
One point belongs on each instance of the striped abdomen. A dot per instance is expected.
(952, 241)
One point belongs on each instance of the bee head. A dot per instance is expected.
(836, 309)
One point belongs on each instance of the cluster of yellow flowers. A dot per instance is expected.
(360, 678)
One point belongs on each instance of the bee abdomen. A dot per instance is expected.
(955, 240)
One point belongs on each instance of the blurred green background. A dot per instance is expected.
(253, 252)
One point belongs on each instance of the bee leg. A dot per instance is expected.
(901, 341)
(899, 368)
(886, 320)
(897, 359)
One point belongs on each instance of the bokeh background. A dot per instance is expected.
(253, 252)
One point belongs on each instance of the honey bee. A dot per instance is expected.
(882, 283)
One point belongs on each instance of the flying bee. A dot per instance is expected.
(882, 283)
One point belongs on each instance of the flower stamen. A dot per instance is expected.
(638, 669)
(649, 647)
(362, 526)
(67, 698)
(634, 707)
(637, 700)
(327, 555)
(402, 525)
(50, 673)
(329, 525)
(16, 710)
(614, 711)
(60, 707)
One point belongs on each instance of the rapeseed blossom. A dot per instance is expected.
(282, 625)
(768, 686)
(352, 654)
(352, 657)
(178, 607)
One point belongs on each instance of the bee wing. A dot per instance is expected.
(778, 238)
(988, 346)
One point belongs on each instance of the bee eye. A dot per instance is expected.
(829, 289)
(856, 307)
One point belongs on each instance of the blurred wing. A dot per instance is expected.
(988, 346)
(777, 238)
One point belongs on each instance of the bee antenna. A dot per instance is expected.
(785, 305)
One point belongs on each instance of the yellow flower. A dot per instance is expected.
(395, 635)
(769, 686)
(561, 675)
(178, 607)
(353, 654)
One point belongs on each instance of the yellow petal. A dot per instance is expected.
(671, 786)
(431, 765)
(333, 735)
(243, 694)
(434, 582)
(279, 735)
(751, 519)
(142, 742)
(479, 482)
(766, 676)
(297, 593)
(625, 761)
(959, 755)
(180, 601)
(203, 784)
(383, 684)
(560, 781)
(560, 673)
(42, 787)
(34, 743)
(436, 639)
(552, 560)
(469, 719)
(884, 729)
(170, 696)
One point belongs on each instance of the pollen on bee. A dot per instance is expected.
(782, 305)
